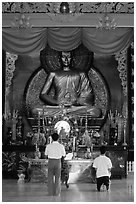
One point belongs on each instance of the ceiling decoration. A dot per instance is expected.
(74, 7)
(21, 22)
(112, 7)
(103, 15)
(106, 22)
(64, 12)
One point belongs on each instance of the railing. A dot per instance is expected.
(130, 166)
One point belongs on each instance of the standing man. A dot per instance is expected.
(102, 165)
(54, 151)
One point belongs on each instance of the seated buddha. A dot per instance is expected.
(73, 92)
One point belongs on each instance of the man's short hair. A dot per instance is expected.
(103, 149)
(55, 136)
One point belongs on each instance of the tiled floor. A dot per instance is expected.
(121, 191)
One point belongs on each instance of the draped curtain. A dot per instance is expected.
(30, 41)
(27, 41)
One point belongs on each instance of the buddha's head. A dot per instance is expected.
(66, 58)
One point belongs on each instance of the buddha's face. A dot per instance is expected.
(66, 58)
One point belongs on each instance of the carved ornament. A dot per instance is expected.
(122, 68)
(75, 7)
(10, 68)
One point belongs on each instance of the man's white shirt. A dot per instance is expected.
(102, 164)
(55, 150)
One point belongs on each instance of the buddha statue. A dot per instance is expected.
(73, 92)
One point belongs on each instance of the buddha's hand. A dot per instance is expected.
(65, 104)
(81, 102)
(76, 103)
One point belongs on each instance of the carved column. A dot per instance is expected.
(122, 68)
(10, 68)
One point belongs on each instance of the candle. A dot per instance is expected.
(124, 129)
(74, 139)
(38, 126)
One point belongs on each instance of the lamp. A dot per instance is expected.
(64, 7)
(64, 12)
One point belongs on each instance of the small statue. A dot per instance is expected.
(37, 153)
(21, 176)
(88, 153)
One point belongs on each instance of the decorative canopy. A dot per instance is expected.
(31, 41)
(29, 26)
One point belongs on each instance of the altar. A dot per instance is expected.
(79, 170)
(79, 167)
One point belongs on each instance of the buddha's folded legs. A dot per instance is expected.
(85, 110)
(73, 110)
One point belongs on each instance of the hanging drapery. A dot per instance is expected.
(64, 38)
(107, 41)
(29, 41)
(24, 41)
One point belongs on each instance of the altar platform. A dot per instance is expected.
(80, 168)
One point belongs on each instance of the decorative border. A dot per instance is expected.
(10, 68)
(75, 7)
(121, 57)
